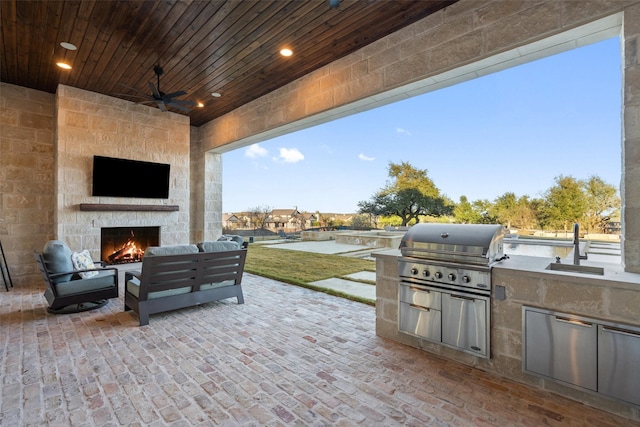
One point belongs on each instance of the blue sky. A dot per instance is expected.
(512, 131)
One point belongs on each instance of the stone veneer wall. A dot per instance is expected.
(91, 124)
(26, 176)
(457, 36)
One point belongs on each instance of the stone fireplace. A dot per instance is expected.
(122, 245)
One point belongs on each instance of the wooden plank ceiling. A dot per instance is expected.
(229, 47)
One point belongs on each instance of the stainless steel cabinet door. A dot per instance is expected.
(465, 323)
(561, 348)
(420, 321)
(618, 359)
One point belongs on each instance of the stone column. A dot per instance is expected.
(630, 182)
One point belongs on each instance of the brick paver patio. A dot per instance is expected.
(288, 356)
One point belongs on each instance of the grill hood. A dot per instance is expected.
(478, 244)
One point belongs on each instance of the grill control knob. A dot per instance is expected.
(465, 279)
(438, 275)
(414, 271)
(452, 277)
(426, 273)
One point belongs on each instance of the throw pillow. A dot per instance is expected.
(82, 261)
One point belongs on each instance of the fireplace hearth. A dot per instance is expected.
(122, 245)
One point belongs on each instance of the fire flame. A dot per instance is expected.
(129, 252)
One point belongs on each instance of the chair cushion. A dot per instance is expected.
(57, 256)
(219, 246)
(82, 261)
(102, 280)
(171, 250)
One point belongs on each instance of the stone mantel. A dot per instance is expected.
(130, 208)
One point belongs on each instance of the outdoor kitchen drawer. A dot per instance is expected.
(420, 296)
(420, 321)
(562, 347)
(618, 356)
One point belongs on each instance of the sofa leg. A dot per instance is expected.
(143, 314)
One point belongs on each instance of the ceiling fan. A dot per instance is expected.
(161, 99)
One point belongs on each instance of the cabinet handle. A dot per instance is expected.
(574, 322)
(621, 331)
(461, 297)
(420, 307)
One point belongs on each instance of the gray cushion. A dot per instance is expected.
(103, 280)
(57, 256)
(232, 238)
(217, 285)
(171, 250)
(133, 287)
(218, 246)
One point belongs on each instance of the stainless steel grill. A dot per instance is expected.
(477, 244)
(445, 283)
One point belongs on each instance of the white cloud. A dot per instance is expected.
(403, 131)
(255, 150)
(291, 155)
(361, 156)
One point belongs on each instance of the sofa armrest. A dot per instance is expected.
(128, 275)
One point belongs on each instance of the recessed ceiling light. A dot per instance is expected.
(63, 65)
(200, 105)
(216, 95)
(68, 46)
(286, 52)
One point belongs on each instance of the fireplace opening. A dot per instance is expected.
(122, 245)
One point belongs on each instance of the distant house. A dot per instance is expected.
(288, 219)
(230, 221)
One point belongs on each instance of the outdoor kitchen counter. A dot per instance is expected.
(614, 296)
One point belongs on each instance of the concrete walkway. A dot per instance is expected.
(353, 287)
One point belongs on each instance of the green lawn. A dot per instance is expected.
(302, 268)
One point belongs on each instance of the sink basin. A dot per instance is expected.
(571, 268)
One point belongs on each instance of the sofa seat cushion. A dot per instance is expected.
(219, 246)
(57, 256)
(103, 280)
(133, 287)
(217, 285)
(171, 250)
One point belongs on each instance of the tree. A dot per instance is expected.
(361, 222)
(371, 210)
(512, 211)
(464, 213)
(602, 202)
(504, 208)
(259, 216)
(565, 202)
(409, 194)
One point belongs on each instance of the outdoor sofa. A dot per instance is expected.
(174, 277)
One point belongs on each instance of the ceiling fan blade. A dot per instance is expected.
(179, 107)
(155, 92)
(161, 106)
(175, 94)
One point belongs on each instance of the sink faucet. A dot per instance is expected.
(576, 245)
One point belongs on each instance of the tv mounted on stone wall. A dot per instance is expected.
(114, 177)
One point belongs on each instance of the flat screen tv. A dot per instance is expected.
(130, 178)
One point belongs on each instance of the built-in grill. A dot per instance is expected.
(444, 292)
